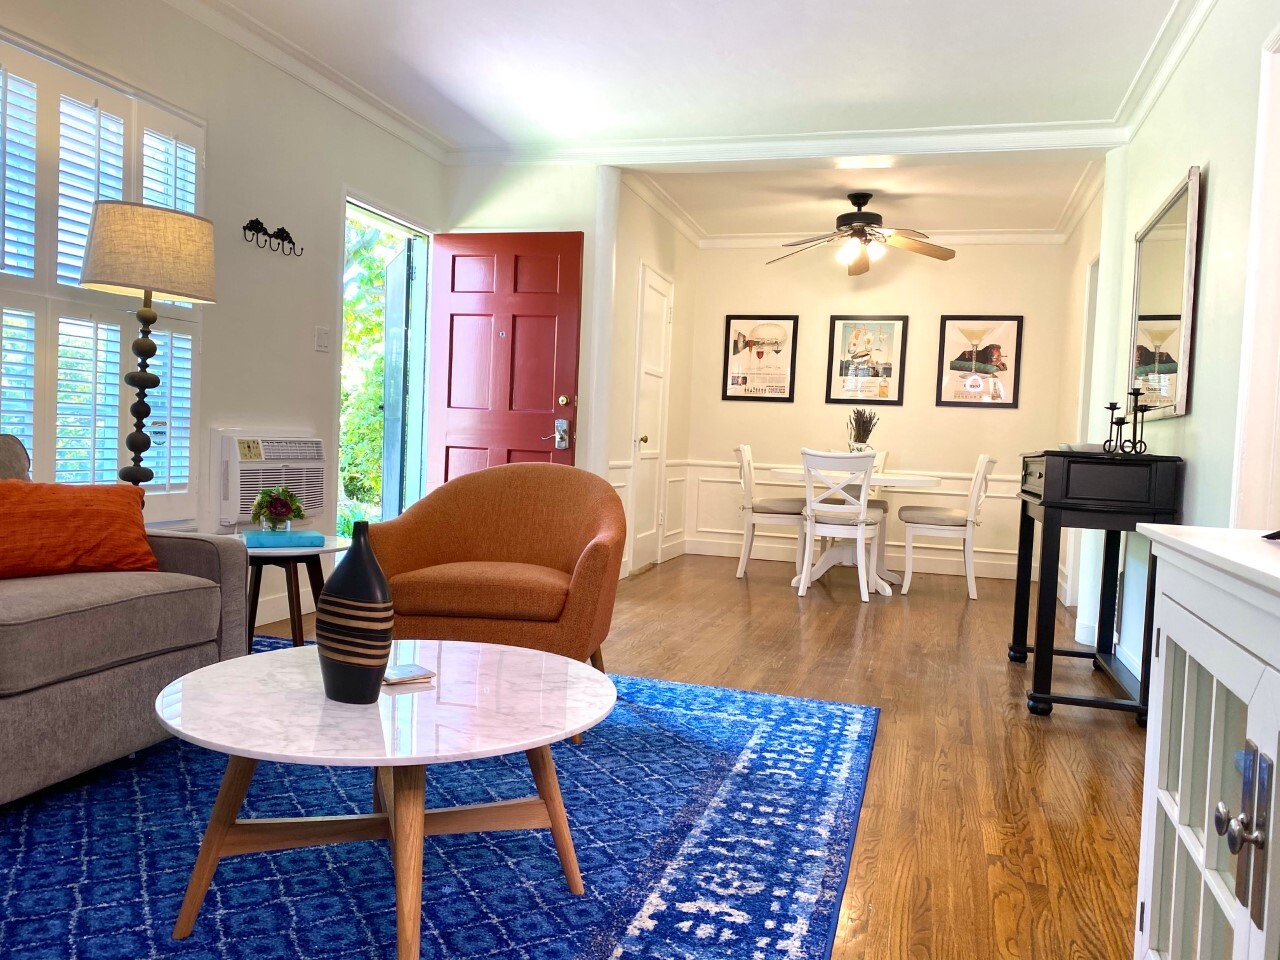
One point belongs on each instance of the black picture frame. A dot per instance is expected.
(982, 383)
(756, 386)
(898, 362)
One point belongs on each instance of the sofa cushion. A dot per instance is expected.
(61, 528)
(55, 628)
(482, 588)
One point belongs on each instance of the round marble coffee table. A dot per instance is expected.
(487, 700)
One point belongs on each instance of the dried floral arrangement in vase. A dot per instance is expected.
(861, 423)
(276, 508)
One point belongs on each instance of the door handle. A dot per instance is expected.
(645, 438)
(561, 435)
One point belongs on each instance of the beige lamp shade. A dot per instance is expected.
(134, 248)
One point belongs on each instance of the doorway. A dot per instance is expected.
(382, 407)
(649, 429)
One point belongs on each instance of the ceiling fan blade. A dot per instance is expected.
(919, 246)
(860, 266)
(816, 243)
(825, 236)
(903, 232)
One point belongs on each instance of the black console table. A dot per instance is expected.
(1090, 491)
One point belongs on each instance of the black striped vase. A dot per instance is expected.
(353, 624)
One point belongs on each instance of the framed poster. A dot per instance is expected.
(759, 358)
(1157, 359)
(865, 359)
(979, 361)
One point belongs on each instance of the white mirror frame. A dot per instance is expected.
(1191, 187)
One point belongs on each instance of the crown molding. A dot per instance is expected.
(1102, 134)
(959, 238)
(1177, 32)
(284, 55)
(1083, 194)
(665, 206)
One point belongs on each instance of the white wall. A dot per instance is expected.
(1023, 279)
(1206, 115)
(277, 150)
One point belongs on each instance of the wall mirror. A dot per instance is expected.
(1164, 298)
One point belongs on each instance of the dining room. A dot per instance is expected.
(891, 343)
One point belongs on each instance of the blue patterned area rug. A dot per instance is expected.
(709, 823)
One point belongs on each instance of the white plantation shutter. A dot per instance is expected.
(169, 425)
(90, 168)
(168, 172)
(88, 414)
(18, 375)
(18, 163)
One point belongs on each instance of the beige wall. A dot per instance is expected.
(1024, 279)
(277, 150)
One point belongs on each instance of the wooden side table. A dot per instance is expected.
(288, 559)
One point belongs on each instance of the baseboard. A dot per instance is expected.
(274, 608)
(999, 569)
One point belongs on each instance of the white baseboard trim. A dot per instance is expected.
(1000, 569)
(275, 607)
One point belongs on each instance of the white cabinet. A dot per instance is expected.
(1207, 877)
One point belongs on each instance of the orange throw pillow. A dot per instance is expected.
(52, 528)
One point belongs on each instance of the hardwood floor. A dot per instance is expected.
(985, 832)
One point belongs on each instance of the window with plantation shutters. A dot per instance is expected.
(88, 409)
(18, 163)
(67, 140)
(90, 168)
(168, 172)
(18, 375)
(169, 425)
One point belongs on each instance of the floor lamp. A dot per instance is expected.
(138, 250)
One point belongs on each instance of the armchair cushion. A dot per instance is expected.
(482, 588)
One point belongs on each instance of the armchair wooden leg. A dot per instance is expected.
(597, 660)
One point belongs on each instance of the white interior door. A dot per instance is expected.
(653, 350)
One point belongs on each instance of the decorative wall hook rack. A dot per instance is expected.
(278, 240)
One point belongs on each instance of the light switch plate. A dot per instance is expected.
(322, 339)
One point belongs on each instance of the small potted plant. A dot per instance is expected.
(861, 423)
(275, 509)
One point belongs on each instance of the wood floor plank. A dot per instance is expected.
(985, 832)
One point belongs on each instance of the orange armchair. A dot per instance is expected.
(525, 554)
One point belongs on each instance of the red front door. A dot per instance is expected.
(504, 320)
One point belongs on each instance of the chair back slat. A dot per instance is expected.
(978, 489)
(837, 484)
(746, 474)
(882, 460)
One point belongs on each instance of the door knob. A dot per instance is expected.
(645, 438)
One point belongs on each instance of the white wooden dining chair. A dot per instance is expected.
(836, 489)
(956, 524)
(775, 511)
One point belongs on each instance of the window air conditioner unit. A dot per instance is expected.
(251, 463)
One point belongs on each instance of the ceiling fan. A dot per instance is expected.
(866, 238)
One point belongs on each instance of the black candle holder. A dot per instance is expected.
(1136, 421)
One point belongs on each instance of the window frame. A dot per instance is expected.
(50, 300)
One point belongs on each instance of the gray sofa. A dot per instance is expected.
(83, 655)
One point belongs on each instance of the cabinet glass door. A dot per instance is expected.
(1206, 703)
(1258, 917)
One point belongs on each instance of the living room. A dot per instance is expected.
(1040, 151)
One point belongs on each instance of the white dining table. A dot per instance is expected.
(844, 553)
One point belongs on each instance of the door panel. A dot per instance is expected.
(652, 327)
(505, 317)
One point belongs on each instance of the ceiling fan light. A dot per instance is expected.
(848, 253)
(875, 250)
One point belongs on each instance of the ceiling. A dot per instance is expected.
(481, 75)
(976, 194)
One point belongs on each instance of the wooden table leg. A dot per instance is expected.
(235, 784)
(295, 602)
(1022, 585)
(407, 810)
(315, 573)
(544, 777)
(1046, 615)
(255, 590)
